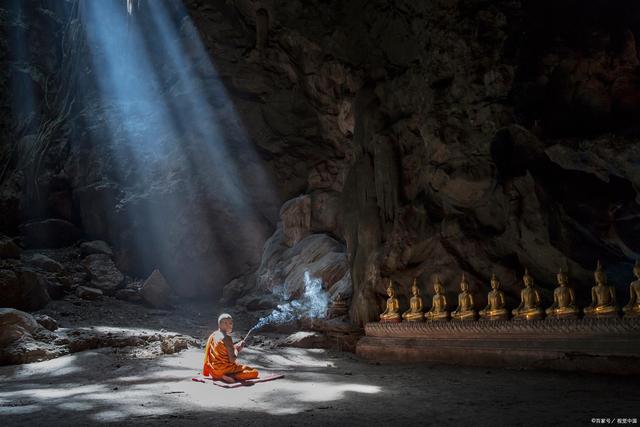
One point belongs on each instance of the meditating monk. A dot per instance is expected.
(220, 355)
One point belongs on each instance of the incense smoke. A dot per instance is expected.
(312, 305)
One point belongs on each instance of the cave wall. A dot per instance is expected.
(430, 137)
(476, 136)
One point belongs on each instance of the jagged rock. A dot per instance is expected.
(22, 339)
(55, 289)
(296, 219)
(95, 247)
(128, 294)
(305, 339)
(342, 289)
(402, 127)
(45, 263)
(155, 290)
(86, 292)
(320, 255)
(46, 321)
(8, 248)
(234, 290)
(23, 289)
(260, 302)
(103, 273)
(50, 233)
(14, 324)
(170, 345)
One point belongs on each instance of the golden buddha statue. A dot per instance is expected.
(530, 301)
(633, 308)
(438, 309)
(495, 309)
(391, 313)
(466, 307)
(603, 297)
(564, 299)
(415, 312)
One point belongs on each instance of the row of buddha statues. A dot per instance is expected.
(603, 301)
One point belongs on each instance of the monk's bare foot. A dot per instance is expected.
(228, 379)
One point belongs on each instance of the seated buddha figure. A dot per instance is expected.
(530, 307)
(415, 312)
(633, 308)
(564, 299)
(495, 309)
(391, 313)
(466, 307)
(603, 297)
(438, 309)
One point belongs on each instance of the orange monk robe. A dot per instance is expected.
(220, 359)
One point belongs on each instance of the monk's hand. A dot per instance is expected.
(239, 346)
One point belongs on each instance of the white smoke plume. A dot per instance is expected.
(313, 304)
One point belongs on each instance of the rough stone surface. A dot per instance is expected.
(45, 263)
(296, 219)
(24, 340)
(103, 273)
(50, 233)
(8, 248)
(46, 322)
(156, 291)
(304, 339)
(127, 294)
(95, 247)
(430, 138)
(19, 338)
(86, 292)
(171, 345)
(23, 288)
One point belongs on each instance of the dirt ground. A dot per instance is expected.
(139, 386)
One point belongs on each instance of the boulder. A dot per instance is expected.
(95, 247)
(305, 339)
(155, 290)
(43, 262)
(319, 254)
(260, 302)
(86, 292)
(170, 345)
(23, 289)
(8, 248)
(128, 294)
(46, 321)
(14, 324)
(296, 219)
(50, 233)
(22, 339)
(103, 273)
(55, 289)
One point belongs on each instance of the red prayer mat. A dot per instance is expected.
(239, 383)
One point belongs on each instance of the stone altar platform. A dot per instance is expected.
(593, 345)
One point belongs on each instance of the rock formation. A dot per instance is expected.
(403, 139)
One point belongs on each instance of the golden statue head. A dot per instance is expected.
(527, 278)
(562, 277)
(390, 291)
(636, 269)
(599, 275)
(495, 282)
(464, 283)
(437, 285)
(415, 290)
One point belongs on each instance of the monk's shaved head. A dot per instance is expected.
(224, 316)
(225, 323)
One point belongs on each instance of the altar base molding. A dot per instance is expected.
(592, 345)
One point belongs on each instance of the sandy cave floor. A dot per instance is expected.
(321, 387)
